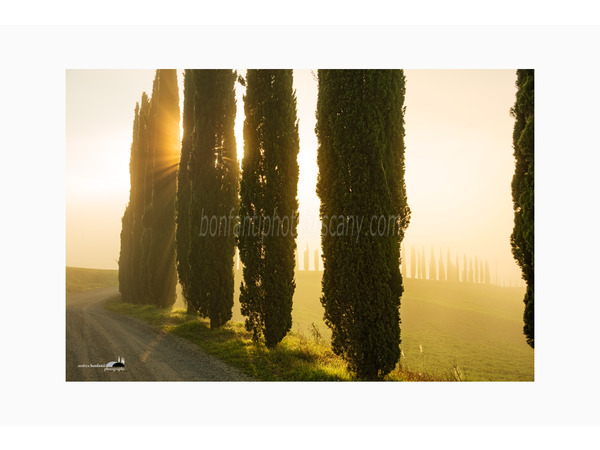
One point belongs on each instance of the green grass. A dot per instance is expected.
(296, 358)
(478, 328)
(473, 329)
(79, 279)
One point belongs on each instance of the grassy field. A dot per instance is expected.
(475, 328)
(79, 279)
(296, 358)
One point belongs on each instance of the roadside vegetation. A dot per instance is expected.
(298, 357)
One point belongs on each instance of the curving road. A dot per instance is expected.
(96, 336)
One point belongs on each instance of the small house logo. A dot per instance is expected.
(120, 362)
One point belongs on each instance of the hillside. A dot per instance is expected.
(79, 279)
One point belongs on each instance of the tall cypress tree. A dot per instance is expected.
(130, 260)
(165, 143)
(476, 271)
(522, 238)
(441, 271)
(269, 191)
(147, 176)
(127, 253)
(213, 173)
(360, 129)
(413, 262)
(182, 235)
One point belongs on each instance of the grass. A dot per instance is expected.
(79, 279)
(296, 358)
(467, 331)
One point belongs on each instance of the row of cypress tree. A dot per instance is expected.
(472, 272)
(147, 256)
(360, 131)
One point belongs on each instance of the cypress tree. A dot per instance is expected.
(457, 271)
(522, 238)
(423, 266)
(306, 258)
(432, 266)
(413, 262)
(182, 235)
(476, 271)
(130, 262)
(441, 270)
(481, 271)
(127, 252)
(269, 191)
(403, 263)
(465, 271)
(213, 173)
(147, 168)
(471, 271)
(125, 287)
(165, 143)
(360, 129)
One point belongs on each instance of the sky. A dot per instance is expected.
(459, 162)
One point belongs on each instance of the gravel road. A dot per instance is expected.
(96, 336)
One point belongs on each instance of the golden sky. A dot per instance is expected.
(459, 162)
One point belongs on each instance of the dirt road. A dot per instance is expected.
(96, 337)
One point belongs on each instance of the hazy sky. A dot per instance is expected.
(459, 162)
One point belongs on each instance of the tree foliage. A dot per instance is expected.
(360, 129)
(165, 147)
(147, 260)
(213, 173)
(522, 238)
(268, 192)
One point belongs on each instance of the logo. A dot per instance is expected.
(113, 366)
(120, 362)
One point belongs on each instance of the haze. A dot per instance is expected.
(459, 162)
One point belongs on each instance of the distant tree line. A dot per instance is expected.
(448, 270)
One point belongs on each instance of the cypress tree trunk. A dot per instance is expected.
(213, 173)
(268, 191)
(360, 128)
(522, 238)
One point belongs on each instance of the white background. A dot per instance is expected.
(32, 330)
